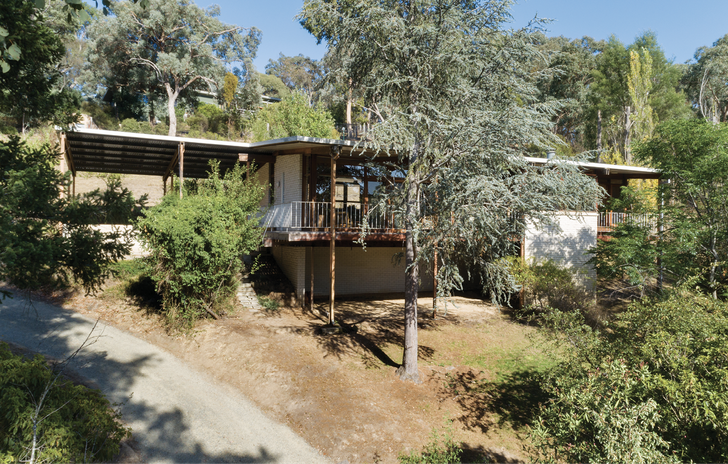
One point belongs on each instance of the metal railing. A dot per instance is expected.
(316, 216)
(353, 131)
(609, 219)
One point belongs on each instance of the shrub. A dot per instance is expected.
(546, 284)
(74, 424)
(653, 385)
(197, 242)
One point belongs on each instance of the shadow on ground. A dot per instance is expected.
(58, 333)
(515, 400)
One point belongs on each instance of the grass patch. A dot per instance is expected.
(269, 304)
(135, 283)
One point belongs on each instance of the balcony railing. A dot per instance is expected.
(610, 219)
(316, 216)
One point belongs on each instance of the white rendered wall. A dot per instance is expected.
(568, 246)
(287, 179)
(358, 272)
(292, 261)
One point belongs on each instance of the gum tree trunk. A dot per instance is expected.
(408, 370)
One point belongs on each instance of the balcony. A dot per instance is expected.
(608, 220)
(311, 220)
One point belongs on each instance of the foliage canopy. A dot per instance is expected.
(46, 236)
(197, 242)
(455, 96)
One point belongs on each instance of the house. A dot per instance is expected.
(319, 195)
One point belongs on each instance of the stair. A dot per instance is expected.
(247, 297)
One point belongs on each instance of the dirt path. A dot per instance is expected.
(177, 414)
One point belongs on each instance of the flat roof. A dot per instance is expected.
(603, 168)
(96, 150)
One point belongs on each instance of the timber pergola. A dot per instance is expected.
(102, 151)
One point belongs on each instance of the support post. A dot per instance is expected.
(661, 230)
(332, 225)
(434, 284)
(310, 282)
(181, 167)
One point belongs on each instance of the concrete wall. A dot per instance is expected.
(137, 251)
(358, 272)
(569, 245)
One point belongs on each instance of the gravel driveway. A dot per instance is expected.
(176, 413)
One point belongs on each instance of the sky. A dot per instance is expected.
(681, 27)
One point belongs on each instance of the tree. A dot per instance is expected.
(693, 156)
(292, 116)
(639, 85)
(168, 49)
(612, 108)
(299, 73)
(572, 63)
(706, 81)
(30, 89)
(45, 418)
(46, 236)
(273, 86)
(457, 105)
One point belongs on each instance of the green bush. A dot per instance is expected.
(74, 423)
(546, 284)
(651, 386)
(197, 242)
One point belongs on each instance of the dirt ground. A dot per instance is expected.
(340, 392)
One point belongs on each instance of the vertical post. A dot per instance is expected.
(366, 191)
(73, 186)
(310, 282)
(164, 186)
(63, 166)
(332, 233)
(661, 230)
(181, 167)
(434, 284)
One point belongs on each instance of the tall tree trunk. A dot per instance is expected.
(627, 127)
(599, 131)
(408, 370)
(171, 99)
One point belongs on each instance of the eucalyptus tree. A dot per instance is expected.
(169, 48)
(457, 104)
(299, 73)
(693, 154)
(30, 86)
(572, 63)
(707, 81)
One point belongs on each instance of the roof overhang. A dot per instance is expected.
(94, 150)
(602, 169)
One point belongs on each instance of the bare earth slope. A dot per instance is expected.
(177, 414)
